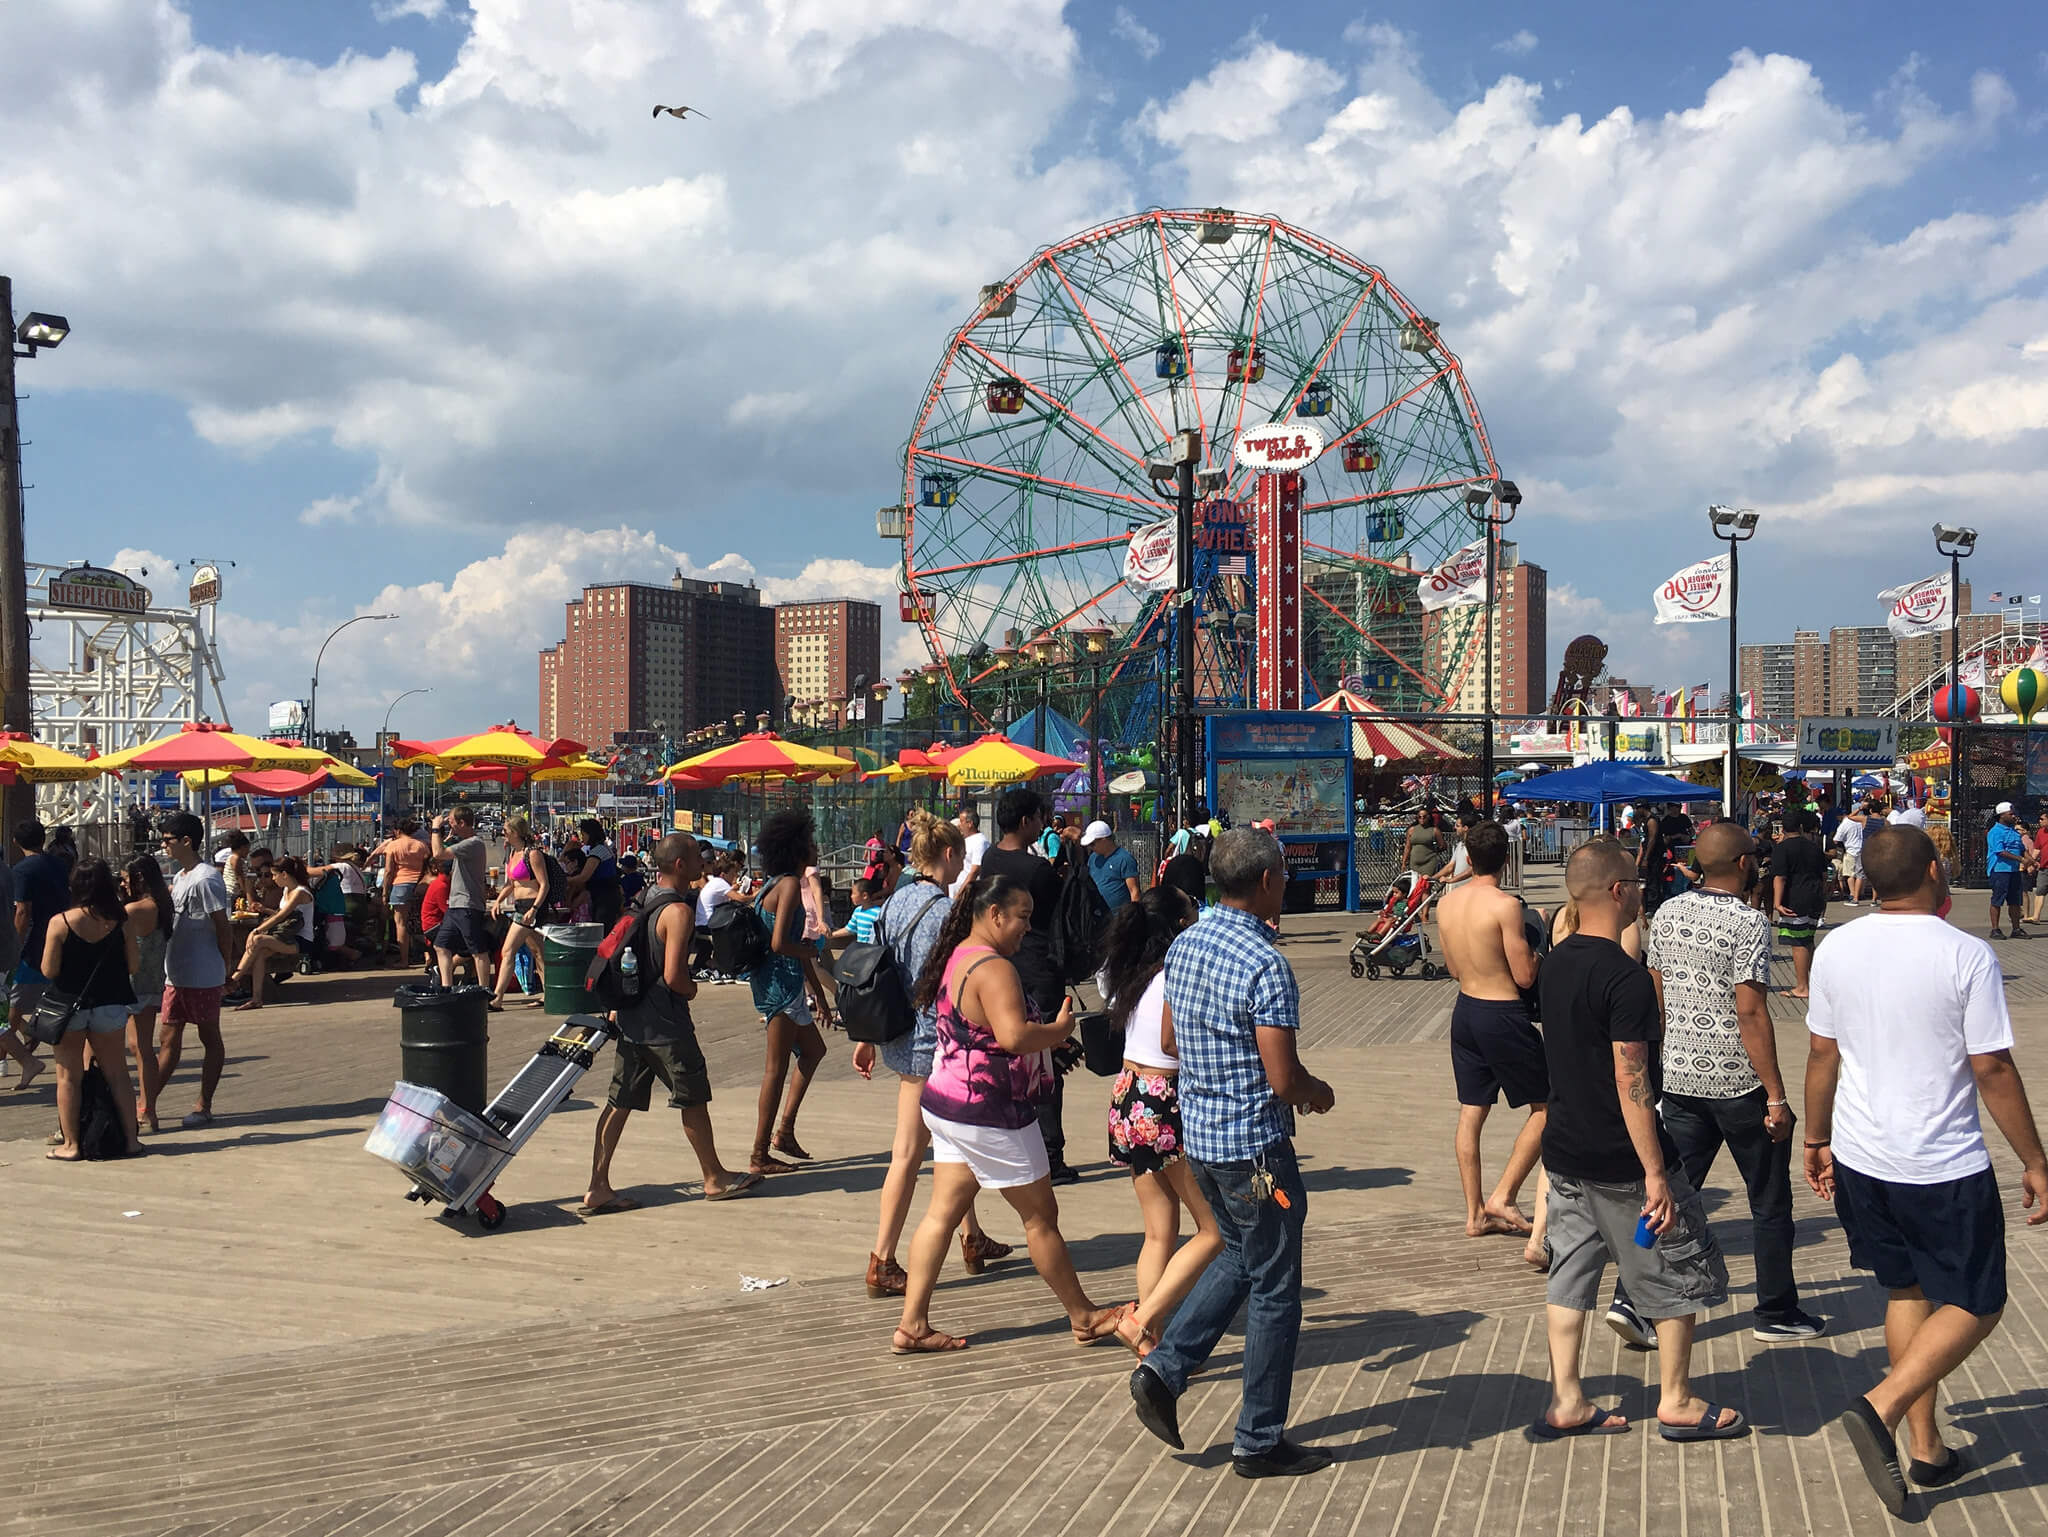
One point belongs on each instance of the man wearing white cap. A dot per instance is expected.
(1113, 869)
(2004, 851)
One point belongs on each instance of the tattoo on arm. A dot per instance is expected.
(1635, 1062)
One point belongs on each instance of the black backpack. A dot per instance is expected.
(873, 1005)
(100, 1134)
(612, 980)
(739, 938)
(557, 908)
(1078, 921)
(1536, 931)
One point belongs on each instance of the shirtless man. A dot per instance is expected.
(1494, 1048)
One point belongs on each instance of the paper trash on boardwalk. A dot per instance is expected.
(1459, 580)
(1699, 592)
(1149, 565)
(1919, 608)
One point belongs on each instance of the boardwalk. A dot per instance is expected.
(275, 1343)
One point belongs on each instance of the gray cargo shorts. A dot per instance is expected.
(1591, 1224)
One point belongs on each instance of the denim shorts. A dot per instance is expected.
(99, 1019)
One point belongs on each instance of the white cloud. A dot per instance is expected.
(1133, 31)
(391, 10)
(1523, 41)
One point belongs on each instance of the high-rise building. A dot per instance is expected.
(1521, 643)
(821, 647)
(1863, 669)
(1810, 694)
(636, 658)
(1769, 678)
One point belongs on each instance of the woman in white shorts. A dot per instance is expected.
(980, 1104)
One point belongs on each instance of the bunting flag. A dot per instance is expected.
(1625, 703)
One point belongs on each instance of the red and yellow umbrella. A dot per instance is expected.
(24, 760)
(203, 745)
(548, 771)
(760, 757)
(995, 761)
(507, 745)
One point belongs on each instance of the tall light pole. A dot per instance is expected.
(1732, 525)
(17, 710)
(383, 748)
(313, 698)
(1493, 508)
(1184, 452)
(1957, 544)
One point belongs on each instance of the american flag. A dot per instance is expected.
(1996, 597)
(1232, 565)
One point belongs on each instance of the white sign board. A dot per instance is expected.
(287, 715)
(1848, 741)
(1279, 446)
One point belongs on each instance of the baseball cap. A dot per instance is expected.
(2003, 808)
(1095, 831)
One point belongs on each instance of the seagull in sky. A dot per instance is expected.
(680, 112)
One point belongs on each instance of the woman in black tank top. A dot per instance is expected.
(89, 955)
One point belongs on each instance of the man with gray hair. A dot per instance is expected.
(1235, 1010)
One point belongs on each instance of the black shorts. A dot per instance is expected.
(465, 931)
(1496, 1051)
(1946, 1239)
(679, 1063)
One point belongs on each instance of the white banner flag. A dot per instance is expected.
(1459, 580)
(1699, 592)
(1919, 608)
(1149, 565)
(1971, 673)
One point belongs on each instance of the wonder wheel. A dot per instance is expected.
(1025, 475)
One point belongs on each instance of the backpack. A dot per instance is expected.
(874, 1006)
(1536, 931)
(627, 962)
(100, 1134)
(739, 937)
(1078, 919)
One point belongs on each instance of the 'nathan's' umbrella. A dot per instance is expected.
(549, 771)
(504, 745)
(759, 757)
(285, 783)
(203, 745)
(994, 761)
(29, 762)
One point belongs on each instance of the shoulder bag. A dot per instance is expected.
(55, 1012)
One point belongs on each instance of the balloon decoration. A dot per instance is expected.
(1954, 705)
(2023, 690)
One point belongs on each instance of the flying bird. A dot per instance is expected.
(679, 112)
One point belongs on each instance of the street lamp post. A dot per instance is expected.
(1095, 645)
(1732, 525)
(1493, 507)
(17, 709)
(1957, 544)
(1183, 454)
(313, 697)
(384, 746)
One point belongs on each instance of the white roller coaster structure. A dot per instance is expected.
(2000, 652)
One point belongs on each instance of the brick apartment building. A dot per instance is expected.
(636, 659)
(1521, 642)
(822, 646)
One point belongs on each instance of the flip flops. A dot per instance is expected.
(617, 1203)
(929, 1343)
(1709, 1427)
(737, 1188)
(1602, 1422)
(1932, 1475)
(1878, 1450)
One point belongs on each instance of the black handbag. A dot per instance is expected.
(54, 1013)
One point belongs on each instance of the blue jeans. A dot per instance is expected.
(1260, 1270)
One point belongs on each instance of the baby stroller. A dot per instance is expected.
(1396, 940)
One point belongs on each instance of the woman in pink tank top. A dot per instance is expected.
(980, 1104)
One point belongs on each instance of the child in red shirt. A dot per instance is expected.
(434, 905)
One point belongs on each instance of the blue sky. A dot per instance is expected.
(399, 315)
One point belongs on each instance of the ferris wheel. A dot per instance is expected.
(1025, 475)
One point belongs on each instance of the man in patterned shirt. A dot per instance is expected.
(1710, 956)
(1235, 1011)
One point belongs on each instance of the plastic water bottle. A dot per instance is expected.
(629, 972)
(522, 970)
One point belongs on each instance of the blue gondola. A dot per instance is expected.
(1317, 400)
(937, 490)
(1385, 527)
(1170, 360)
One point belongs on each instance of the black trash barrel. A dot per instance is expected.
(443, 1041)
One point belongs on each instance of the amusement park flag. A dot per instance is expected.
(1149, 564)
(1699, 592)
(1459, 580)
(1919, 608)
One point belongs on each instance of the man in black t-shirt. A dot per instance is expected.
(1020, 819)
(1188, 871)
(1611, 1163)
(1799, 891)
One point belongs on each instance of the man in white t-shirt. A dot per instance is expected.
(196, 960)
(977, 846)
(1850, 834)
(1906, 814)
(1909, 1026)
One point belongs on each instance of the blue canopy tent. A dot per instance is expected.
(1607, 783)
(1051, 732)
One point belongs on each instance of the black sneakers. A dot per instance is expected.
(1802, 1325)
(1283, 1460)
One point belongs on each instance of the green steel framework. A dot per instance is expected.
(1034, 509)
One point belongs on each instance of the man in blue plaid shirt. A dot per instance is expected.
(1235, 1011)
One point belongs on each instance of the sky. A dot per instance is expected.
(407, 306)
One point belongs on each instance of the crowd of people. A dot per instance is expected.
(1630, 1025)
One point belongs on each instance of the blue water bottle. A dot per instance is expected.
(522, 970)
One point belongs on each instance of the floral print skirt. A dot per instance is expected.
(1144, 1121)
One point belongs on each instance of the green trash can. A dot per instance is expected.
(566, 951)
(444, 1041)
